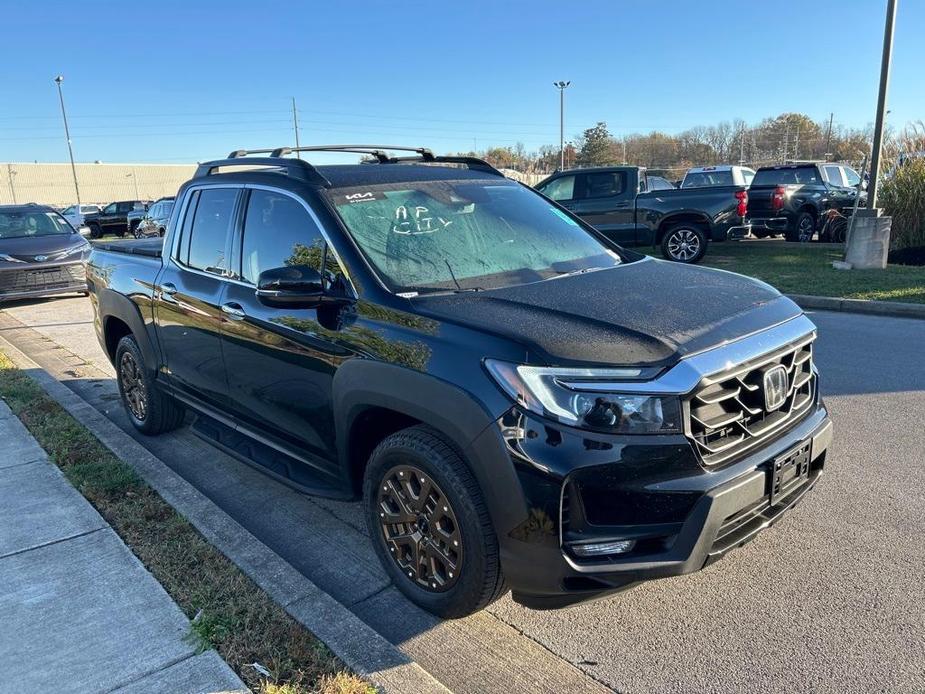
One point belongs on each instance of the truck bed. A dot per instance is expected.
(151, 247)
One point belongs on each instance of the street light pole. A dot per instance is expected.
(561, 86)
(67, 134)
(881, 104)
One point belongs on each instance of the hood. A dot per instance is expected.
(27, 247)
(649, 312)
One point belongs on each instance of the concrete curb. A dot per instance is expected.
(878, 308)
(362, 649)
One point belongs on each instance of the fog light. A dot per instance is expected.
(598, 549)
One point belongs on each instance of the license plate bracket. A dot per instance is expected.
(788, 471)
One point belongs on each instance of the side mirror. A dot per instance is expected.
(291, 286)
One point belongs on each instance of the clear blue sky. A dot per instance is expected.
(187, 80)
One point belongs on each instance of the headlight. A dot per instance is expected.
(589, 398)
(10, 259)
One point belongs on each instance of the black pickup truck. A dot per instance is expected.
(792, 199)
(519, 402)
(113, 219)
(616, 200)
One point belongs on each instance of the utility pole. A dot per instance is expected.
(796, 145)
(10, 174)
(295, 126)
(624, 150)
(67, 134)
(561, 86)
(828, 136)
(886, 59)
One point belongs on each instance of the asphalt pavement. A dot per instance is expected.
(829, 599)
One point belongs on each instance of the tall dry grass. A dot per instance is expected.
(902, 193)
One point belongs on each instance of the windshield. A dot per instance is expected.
(25, 223)
(450, 235)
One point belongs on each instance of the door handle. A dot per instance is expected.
(167, 290)
(233, 311)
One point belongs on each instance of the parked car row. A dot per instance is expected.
(712, 203)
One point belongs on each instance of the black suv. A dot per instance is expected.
(518, 401)
(154, 221)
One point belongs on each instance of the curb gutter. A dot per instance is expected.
(361, 648)
(878, 308)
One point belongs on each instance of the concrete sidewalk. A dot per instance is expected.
(78, 611)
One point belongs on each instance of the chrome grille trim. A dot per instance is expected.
(725, 415)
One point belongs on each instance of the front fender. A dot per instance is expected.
(361, 384)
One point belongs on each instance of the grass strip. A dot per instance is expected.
(800, 268)
(270, 651)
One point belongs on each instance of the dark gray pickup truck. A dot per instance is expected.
(616, 201)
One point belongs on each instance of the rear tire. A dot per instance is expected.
(761, 233)
(150, 410)
(684, 243)
(803, 228)
(429, 524)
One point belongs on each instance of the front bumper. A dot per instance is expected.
(680, 515)
(28, 280)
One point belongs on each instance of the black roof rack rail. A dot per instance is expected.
(301, 169)
(295, 168)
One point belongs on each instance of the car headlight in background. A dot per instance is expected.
(10, 259)
(588, 398)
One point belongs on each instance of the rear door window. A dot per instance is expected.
(207, 248)
(604, 185)
(562, 188)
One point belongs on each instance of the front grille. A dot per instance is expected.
(42, 278)
(727, 414)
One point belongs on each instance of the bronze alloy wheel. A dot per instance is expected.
(419, 527)
(133, 386)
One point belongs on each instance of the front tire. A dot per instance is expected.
(150, 410)
(684, 243)
(95, 231)
(430, 525)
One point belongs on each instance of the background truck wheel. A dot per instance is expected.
(803, 228)
(95, 231)
(429, 524)
(761, 233)
(684, 243)
(149, 409)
